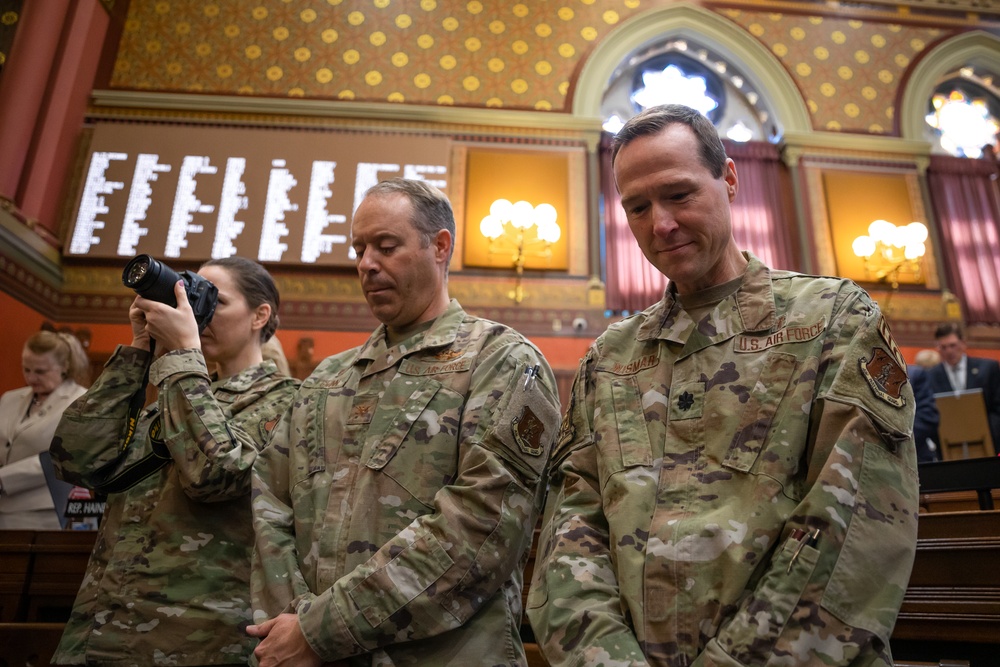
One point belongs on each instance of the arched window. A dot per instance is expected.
(963, 113)
(961, 178)
(698, 43)
(680, 71)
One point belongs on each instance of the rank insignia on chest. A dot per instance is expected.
(362, 410)
(528, 430)
(885, 376)
(686, 401)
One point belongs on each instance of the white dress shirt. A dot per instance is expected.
(957, 373)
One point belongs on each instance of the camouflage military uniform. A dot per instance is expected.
(396, 505)
(168, 582)
(693, 467)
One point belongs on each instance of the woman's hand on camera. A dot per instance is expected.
(137, 318)
(172, 328)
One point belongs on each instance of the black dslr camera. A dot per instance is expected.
(155, 281)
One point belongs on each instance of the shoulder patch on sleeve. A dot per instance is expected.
(883, 330)
(528, 430)
(885, 376)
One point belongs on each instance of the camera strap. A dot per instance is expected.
(159, 456)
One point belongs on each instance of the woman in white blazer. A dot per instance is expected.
(53, 364)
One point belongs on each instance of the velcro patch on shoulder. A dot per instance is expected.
(883, 330)
(885, 376)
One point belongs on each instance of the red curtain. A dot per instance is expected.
(966, 198)
(762, 217)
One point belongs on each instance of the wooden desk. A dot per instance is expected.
(40, 573)
(15, 564)
(59, 561)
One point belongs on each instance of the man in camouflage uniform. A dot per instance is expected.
(735, 482)
(396, 504)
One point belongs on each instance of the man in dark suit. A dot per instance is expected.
(926, 417)
(958, 371)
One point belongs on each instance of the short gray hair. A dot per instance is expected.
(431, 209)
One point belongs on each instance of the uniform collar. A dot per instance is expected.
(246, 378)
(441, 333)
(751, 308)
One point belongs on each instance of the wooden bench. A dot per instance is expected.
(29, 643)
(954, 590)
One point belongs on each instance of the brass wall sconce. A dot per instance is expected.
(521, 231)
(890, 251)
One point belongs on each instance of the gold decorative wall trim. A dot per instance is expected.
(686, 20)
(929, 267)
(333, 300)
(29, 267)
(181, 107)
(887, 150)
(818, 222)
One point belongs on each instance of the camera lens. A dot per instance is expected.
(151, 279)
(136, 270)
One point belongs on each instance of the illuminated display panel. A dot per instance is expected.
(197, 193)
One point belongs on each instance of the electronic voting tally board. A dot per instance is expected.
(275, 195)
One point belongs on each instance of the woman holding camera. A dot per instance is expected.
(169, 578)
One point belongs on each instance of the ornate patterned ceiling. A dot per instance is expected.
(490, 53)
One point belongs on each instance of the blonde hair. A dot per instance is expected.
(927, 358)
(67, 350)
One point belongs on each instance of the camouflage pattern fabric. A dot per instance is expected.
(168, 582)
(396, 505)
(737, 491)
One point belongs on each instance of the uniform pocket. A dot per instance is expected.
(749, 637)
(758, 415)
(860, 594)
(412, 438)
(395, 583)
(524, 424)
(620, 429)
